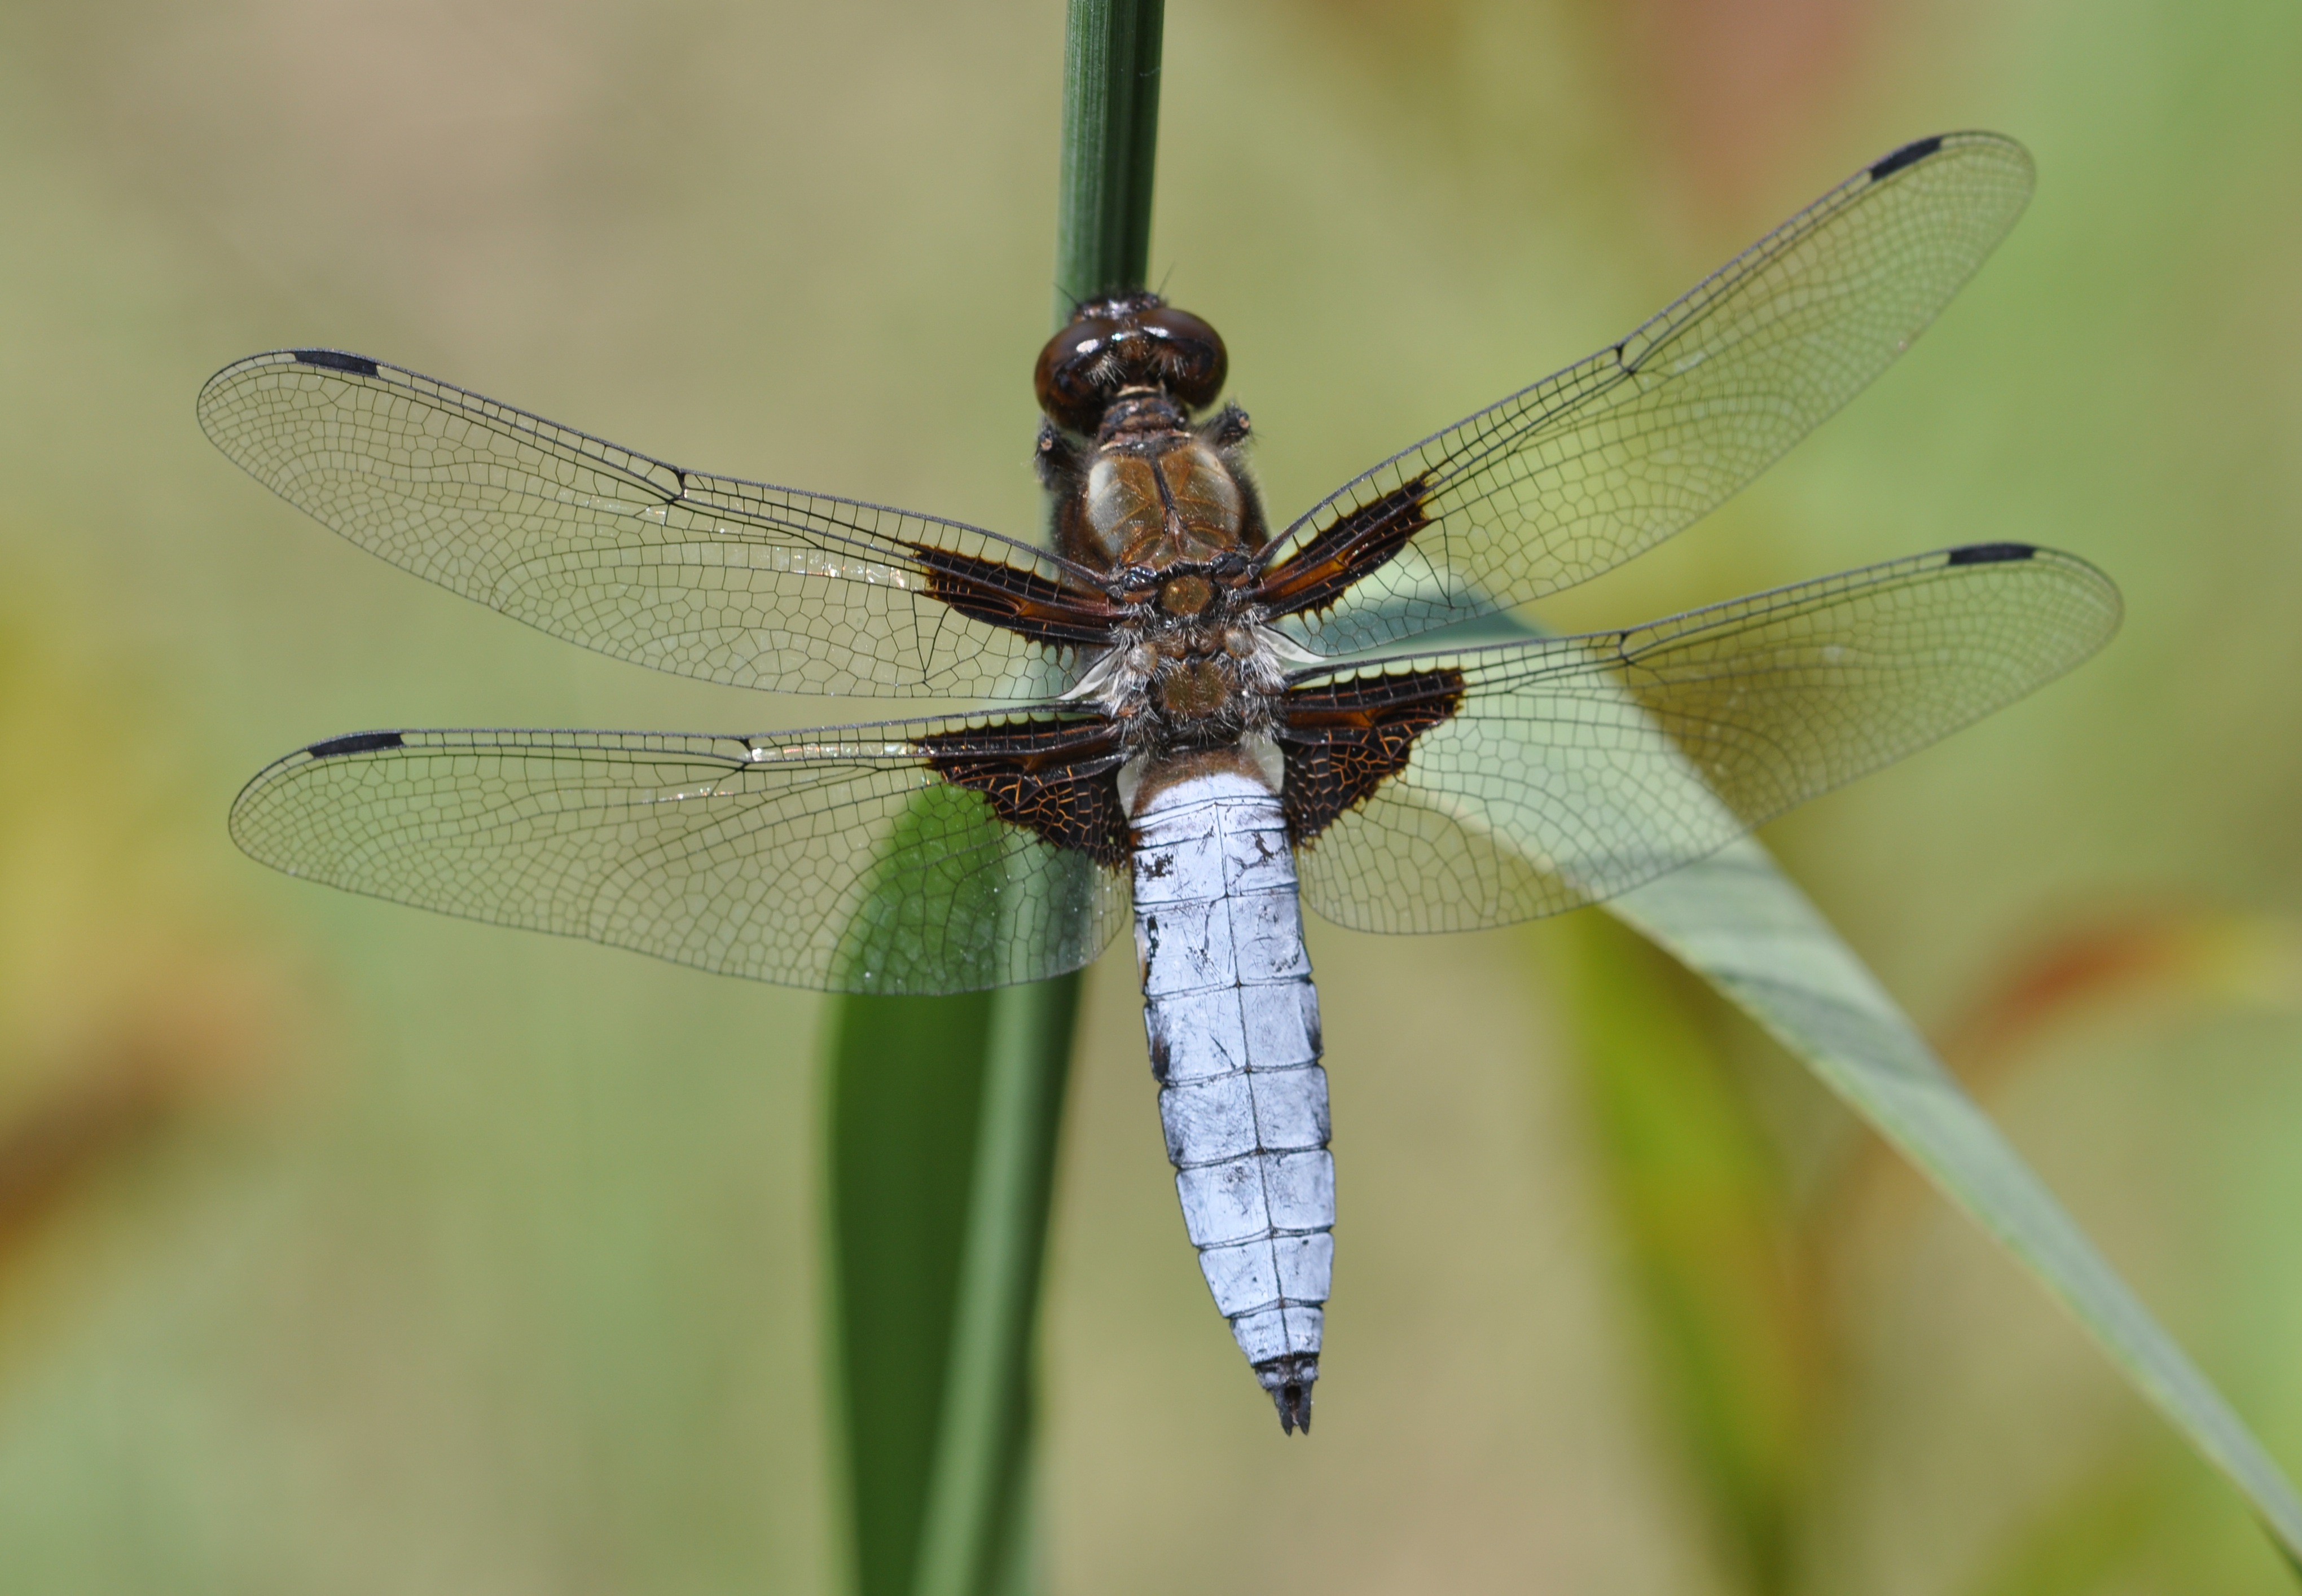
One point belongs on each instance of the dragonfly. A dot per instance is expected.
(1191, 717)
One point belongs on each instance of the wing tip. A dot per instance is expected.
(1969, 141)
(216, 390)
(1909, 154)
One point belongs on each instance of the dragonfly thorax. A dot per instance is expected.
(1163, 508)
(1194, 681)
(1155, 504)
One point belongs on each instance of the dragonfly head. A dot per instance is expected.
(1124, 341)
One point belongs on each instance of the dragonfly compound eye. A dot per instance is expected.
(1078, 370)
(1185, 355)
(1130, 342)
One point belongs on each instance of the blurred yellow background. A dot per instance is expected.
(348, 1248)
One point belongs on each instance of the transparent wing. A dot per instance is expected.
(702, 576)
(1586, 468)
(836, 858)
(1577, 767)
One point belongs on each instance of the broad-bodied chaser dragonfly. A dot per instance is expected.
(1205, 716)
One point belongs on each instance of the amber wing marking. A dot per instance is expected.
(987, 590)
(1341, 742)
(1359, 541)
(1055, 779)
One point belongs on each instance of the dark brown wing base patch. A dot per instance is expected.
(1346, 550)
(1054, 778)
(1042, 610)
(1341, 742)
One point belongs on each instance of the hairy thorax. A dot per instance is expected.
(1165, 512)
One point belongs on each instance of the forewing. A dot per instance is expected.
(705, 576)
(1569, 769)
(1586, 468)
(841, 859)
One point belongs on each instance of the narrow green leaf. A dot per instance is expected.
(944, 1119)
(945, 1111)
(1702, 1209)
(977, 1488)
(906, 1089)
(1736, 921)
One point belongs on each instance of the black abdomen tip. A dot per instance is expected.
(1290, 1380)
(1910, 154)
(1294, 1403)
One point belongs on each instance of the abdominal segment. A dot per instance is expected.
(1234, 1023)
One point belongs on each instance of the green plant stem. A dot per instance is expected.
(1110, 140)
(944, 1111)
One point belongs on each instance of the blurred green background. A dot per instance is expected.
(347, 1249)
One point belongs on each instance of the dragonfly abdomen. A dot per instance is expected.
(1234, 1023)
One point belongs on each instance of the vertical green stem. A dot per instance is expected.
(945, 1111)
(1110, 143)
